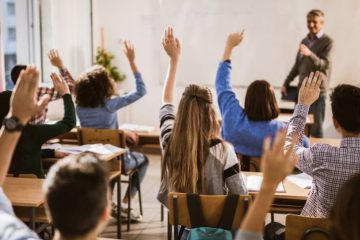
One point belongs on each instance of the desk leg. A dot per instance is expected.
(32, 218)
(119, 207)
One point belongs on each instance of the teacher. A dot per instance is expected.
(314, 54)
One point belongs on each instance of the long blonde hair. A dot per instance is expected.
(188, 147)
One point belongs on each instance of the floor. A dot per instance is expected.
(151, 227)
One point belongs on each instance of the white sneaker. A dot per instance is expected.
(135, 216)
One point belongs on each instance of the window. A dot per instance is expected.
(11, 34)
(11, 8)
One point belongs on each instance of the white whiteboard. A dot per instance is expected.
(273, 31)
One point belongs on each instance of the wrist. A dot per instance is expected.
(174, 59)
(267, 186)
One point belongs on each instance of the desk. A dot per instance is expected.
(291, 201)
(335, 142)
(25, 192)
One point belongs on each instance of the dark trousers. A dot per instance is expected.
(318, 110)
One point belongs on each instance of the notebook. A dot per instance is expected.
(292, 94)
(302, 180)
(136, 128)
(94, 148)
(253, 184)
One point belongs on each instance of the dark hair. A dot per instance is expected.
(15, 72)
(93, 88)
(4, 105)
(345, 213)
(260, 102)
(315, 12)
(345, 105)
(76, 191)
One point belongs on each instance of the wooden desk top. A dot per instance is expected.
(285, 117)
(292, 191)
(24, 192)
(335, 142)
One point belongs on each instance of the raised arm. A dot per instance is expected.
(171, 46)
(23, 105)
(309, 92)
(276, 165)
(56, 61)
(48, 131)
(226, 96)
(121, 101)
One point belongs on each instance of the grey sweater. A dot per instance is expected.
(319, 60)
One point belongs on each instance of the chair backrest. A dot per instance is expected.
(306, 228)
(105, 136)
(248, 163)
(212, 209)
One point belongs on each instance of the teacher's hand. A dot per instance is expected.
(283, 90)
(304, 50)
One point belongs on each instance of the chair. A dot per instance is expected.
(247, 163)
(306, 228)
(116, 138)
(212, 208)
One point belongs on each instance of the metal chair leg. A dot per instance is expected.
(129, 203)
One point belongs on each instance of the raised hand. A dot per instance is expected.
(276, 164)
(59, 84)
(128, 49)
(171, 44)
(310, 88)
(23, 103)
(304, 50)
(234, 39)
(55, 58)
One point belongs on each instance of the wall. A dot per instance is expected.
(273, 31)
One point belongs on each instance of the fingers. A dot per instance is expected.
(279, 141)
(42, 103)
(177, 43)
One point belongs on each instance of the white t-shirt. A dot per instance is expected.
(11, 228)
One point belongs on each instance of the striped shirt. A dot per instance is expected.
(329, 166)
(221, 165)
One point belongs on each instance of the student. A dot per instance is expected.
(97, 108)
(78, 197)
(27, 155)
(245, 127)
(196, 159)
(22, 106)
(344, 216)
(276, 165)
(57, 62)
(329, 166)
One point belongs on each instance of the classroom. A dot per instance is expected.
(179, 119)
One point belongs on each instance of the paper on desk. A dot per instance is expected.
(302, 180)
(253, 184)
(136, 128)
(94, 148)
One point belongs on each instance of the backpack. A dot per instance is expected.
(223, 230)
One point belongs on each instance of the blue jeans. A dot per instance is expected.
(135, 160)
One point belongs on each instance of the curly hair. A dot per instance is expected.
(94, 87)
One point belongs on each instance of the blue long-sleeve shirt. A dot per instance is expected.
(247, 136)
(105, 117)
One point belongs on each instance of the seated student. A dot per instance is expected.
(56, 61)
(276, 165)
(97, 108)
(22, 106)
(85, 214)
(27, 155)
(245, 127)
(344, 215)
(196, 159)
(329, 166)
